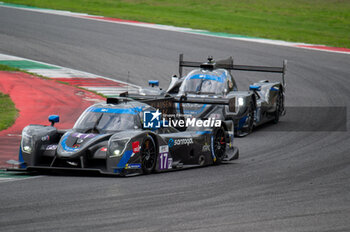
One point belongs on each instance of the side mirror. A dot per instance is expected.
(153, 83)
(53, 119)
(255, 87)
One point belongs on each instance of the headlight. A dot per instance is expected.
(240, 101)
(118, 147)
(27, 142)
(117, 153)
(27, 149)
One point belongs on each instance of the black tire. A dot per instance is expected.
(218, 144)
(148, 154)
(279, 107)
(249, 123)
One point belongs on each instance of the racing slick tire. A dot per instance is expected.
(279, 107)
(148, 155)
(218, 144)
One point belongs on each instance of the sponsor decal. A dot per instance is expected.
(45, 138)
(171, 142)
(104, 149)
(76, 145)
(51, 147)
(133, 166)
(164, 148)
(183, 141)
(165, 162)
(136, 147)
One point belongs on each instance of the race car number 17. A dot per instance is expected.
(165, 162)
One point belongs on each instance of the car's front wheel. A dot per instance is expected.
(218, 144)
(148, 155)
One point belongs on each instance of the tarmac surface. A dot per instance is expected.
(285, 180)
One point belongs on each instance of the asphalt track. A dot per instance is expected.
(284, 180)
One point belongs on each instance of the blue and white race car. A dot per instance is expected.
(263, 102)
(120, 137)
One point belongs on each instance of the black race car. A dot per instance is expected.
(123, 137)
(263, 102)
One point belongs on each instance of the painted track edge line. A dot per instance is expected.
(61, 67)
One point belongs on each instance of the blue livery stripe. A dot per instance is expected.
(203, 132)
(20, 158)
(209, 77)
(241, 122)
(255, 87)
(65, 146)
(125, 158)
(134, 110)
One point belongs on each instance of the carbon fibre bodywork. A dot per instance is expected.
(261, 103)
(95, 144)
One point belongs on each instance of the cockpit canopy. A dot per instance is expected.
(103, 118)
(206, 82)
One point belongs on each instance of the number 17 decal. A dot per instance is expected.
(164, 161)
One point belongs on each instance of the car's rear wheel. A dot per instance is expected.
(218, 144)
(148, 155)
(279, 107)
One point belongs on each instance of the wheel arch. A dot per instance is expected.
(156, 142)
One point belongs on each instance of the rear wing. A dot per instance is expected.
(167, 103)
(229, 65)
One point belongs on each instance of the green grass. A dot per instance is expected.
(310, 21)
(8, 68)
(8, 111)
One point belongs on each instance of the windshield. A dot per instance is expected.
(203, 84)
(95, 121)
